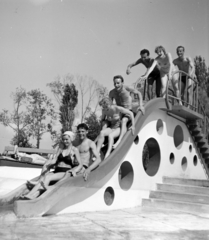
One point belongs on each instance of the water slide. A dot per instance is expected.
(121, 180)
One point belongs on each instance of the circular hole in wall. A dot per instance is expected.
(190, 147)
(172, 158)
(151, 157)
(195, 160)
(184, 163)
(109, 196)
(125, 175)
(178, 136)
(159, 126)
(136, 140)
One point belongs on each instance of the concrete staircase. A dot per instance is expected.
(201, 142)
(187, 195)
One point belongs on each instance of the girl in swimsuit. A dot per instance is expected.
(65, 164)
(167, 68)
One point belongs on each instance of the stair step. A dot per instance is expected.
(190, 182)
(202, 145)
(182, 197)
(205, 155)
(199, 136)
(202, 142)
(192, 123)
(183, 189)
(204, 151)
(195, 129)
(176, 205)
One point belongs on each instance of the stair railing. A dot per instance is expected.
(190, 89)
(191, 100)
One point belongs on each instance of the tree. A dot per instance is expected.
(19, 119)
(69, 101)
(202, 73)
(94, 126)
(22, 140)
(42, 113)
(90, 93)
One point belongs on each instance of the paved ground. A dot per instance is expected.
(135, 223)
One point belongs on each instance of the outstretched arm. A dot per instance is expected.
(149, 70)
(95, 163)
(128, 71)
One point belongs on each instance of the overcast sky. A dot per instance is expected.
(41, 39)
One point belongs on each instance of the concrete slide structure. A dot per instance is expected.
(124, 179)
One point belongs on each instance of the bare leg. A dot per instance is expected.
(35, 192)
(53, 177)
(149, 91)
(164, 80)
(101, 138)
(123, 131)
(44, 171)
(111, 138)
(175, 82)
(189, 92)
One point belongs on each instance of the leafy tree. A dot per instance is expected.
(22, 140)
(202, 73)
(90, 93)
(19, 119)
(94, 126)
(42, 113)
(69, 101)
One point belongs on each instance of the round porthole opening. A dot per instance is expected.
(109, 196)
(126, 175)
(159, 126)
(178, 137)
(151, 157)
(172, 158)
(136, 140)
(195, 160)
(184, 163)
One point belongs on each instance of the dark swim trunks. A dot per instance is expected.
(155, 77)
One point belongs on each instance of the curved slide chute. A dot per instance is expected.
(76, 189)
(70, 191)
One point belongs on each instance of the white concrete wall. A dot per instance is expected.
(142, 182)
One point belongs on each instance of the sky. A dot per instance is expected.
(43, 39)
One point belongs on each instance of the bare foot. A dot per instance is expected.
(115, 145)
